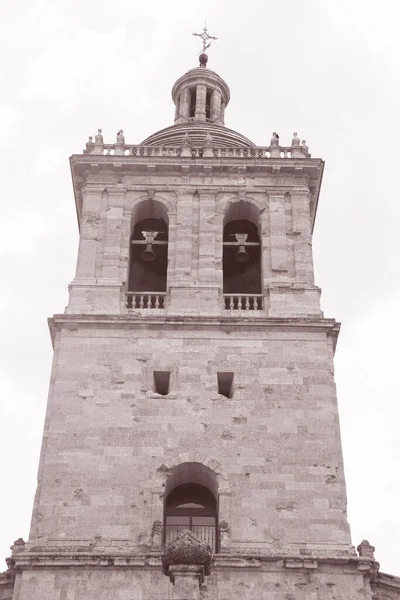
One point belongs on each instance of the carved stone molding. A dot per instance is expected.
(186, 549)
(365, 550)
(156, 535)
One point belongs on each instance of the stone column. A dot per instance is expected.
(184, 106)
(216, 107)
(222, 113)
(201, 92)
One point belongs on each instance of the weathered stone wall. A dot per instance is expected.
(270, 582)
(110, 440)
(196, 205)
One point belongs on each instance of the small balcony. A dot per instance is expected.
(209, 534)
(243, 302)
(141, 300)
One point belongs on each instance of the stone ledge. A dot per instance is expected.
(152, 560)
(189, 321)
(228, 323)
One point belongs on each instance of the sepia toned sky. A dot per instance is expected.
(328, 70)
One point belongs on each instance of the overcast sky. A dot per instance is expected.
(329, 70)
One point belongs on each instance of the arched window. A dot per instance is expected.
(147, 281)
(242, 257)
(191, 505)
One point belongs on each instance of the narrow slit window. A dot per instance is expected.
(193, 98)
(225, 384)
(161, 382)
(208, 105)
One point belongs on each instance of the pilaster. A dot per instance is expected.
(89, 231)
(278, 237)
(301, 218)
(112, 237)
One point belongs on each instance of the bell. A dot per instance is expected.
(148, 253)
(242, 256)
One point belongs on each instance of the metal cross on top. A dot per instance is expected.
(205, 37)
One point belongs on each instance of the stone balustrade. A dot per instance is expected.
(243, 301)
(150, 300)
(258, 152)
(157, 300)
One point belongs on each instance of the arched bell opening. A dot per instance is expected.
(191, 502)
(148, 262)
(242, 257)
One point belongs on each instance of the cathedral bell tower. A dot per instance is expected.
(192, 425)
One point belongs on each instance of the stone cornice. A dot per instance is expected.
(386, 581)
(152, 560)
(330, 326)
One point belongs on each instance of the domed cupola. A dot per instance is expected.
(200, 97)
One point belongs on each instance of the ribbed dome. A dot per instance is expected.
(222, 136)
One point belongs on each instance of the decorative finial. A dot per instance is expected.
(207, 41)
(365, 550)
(98, 138)
(295, 139)
(120, 137)
(275, 139)
(304, 146)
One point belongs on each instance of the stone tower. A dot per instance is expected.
(191, 446)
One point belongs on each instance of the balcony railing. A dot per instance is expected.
(243, 301)
(249, 152)
(234, 152)
(145, 300)
(206, 533)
